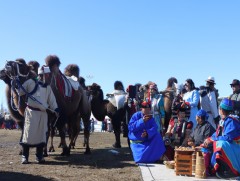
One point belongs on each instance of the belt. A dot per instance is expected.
(209, 112)
(137, 141)
(33, 108)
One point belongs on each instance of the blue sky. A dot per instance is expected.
(128, 40)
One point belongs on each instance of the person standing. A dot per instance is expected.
(145, 141)
(212, 94)
(209, 104)
(235, 96)
(36, 118)
(157, 106)
(210, 82)
(192, 97)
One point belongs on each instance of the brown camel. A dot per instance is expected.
(168, 94)
(73, 107)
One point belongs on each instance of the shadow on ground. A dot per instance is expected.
(6, 176)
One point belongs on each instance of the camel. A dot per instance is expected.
(101, 108)
(74, 107)
(15, 73)
(169, 94)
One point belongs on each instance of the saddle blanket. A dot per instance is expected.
(118, 99)
(74, 82)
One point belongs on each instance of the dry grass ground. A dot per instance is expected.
(102, 164)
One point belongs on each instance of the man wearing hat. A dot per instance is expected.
(235, 96)
(226, 143)
(145, 141)
(43, 73)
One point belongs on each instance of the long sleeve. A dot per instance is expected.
(136, 124)
(231, 130)
(51, 99)
(213, 103)
(195, 99)
(161, 106)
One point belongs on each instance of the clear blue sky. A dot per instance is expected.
(128, 40)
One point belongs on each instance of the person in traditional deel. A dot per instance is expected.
(203, 130)
(145, 141)
(179, 130)
(157, 106)
(226, 143)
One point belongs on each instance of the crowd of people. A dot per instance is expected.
(197, 120)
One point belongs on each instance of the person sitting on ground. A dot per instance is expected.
(203, 130)
(145, 141)
(226, 143)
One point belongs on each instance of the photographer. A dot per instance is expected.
(145, 141)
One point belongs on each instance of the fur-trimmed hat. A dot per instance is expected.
(145, 104)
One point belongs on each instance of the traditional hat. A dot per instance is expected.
(226, 104)
(153, 86)
(235, 82)
(145, 104)
(202, 113)
(211, 80)
(43, 70)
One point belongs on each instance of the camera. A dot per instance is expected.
(167, 141)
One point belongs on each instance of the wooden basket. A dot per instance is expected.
(183, 162)
(169, 164)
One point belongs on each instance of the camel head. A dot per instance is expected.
(170, 82)
(4, 77)
(18, 68)
(95, 91)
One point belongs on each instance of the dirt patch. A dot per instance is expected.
(102, 164)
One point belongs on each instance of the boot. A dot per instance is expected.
(39, 154)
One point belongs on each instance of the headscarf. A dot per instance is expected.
(202, 113)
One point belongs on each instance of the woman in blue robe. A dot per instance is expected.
(226, 143)
(192, 97)
(145, 141)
